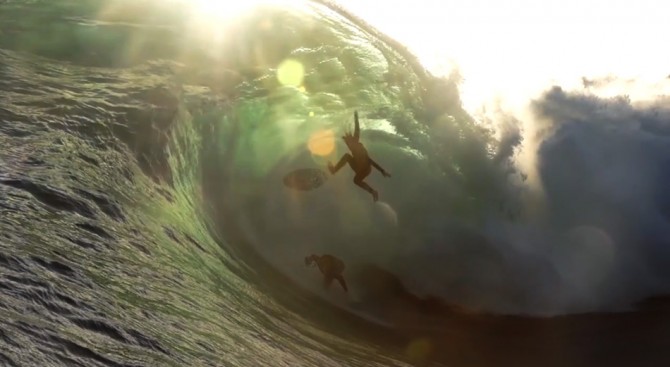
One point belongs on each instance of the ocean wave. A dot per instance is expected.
(152, 177)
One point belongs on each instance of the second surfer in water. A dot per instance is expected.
(359, 160)
(331, 268)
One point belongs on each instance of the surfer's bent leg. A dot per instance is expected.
(358, 180)
(327, 279)
(342, 282)
(346, 158)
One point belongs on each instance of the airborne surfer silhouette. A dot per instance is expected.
(359, 160)
(331, 268)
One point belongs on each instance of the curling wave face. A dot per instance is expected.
(142, 170)
(465, 217)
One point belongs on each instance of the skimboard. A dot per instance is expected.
(305, 179)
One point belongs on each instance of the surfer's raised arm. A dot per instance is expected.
(358, 159)
(357, 127)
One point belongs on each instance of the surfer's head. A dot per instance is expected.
(310, 259)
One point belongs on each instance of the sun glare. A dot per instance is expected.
(214, 21)
(223, 9)
(506, 52)
(512, 50)
(226, 10)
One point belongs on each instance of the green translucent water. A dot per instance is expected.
(88, 89)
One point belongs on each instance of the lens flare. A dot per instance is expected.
(291, 73)
(322, 142)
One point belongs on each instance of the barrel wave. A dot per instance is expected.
(145, 220)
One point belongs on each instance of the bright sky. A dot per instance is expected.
(513, 49)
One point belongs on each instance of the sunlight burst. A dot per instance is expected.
(509, 51)
(222, 11)
(214, 21)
